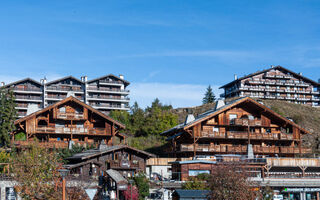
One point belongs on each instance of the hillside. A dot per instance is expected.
(306, 116)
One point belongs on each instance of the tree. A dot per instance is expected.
(230, 182)
(131, 190)
(36, 173)
(199, 182)
(142, 183)
(8, 115)
(209, 96)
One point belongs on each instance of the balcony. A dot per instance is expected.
(246, 122)
(74, 131)
(109, 107)
(27, 90)
(64, 89)
(51, 144)
(28, 98)
(70, 116)
(108, 98)
(107, 82)
(107, 90)
(124, 164)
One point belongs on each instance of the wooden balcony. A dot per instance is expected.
(70, 116)
(257, 149)
(245, 135)
(66, 130)
(246, 122)
(51, 144)
(124, 164)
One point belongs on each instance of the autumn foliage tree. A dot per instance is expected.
(131, 193)
(35, 171)
(230, 182)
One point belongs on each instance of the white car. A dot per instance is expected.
(278, 197)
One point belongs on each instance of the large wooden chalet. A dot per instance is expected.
(230, 128)
(67, 120)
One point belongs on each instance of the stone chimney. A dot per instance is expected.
(121, 76)
(235, 77)
(43, 81)
(84, 78)
(300, 73)
(2, 83)
(189, 118)
(219, 104)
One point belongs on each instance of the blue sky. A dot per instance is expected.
(167, 49)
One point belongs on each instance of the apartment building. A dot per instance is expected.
(105, 93)
(243, 126)
(275, 83)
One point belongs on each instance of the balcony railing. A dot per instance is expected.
(60, 88)
(67, 130)
(69, 115)
(51, 144)
(124, 164)
(246, 122)
(106, 89)
(107, 81)
(245, 135)
(32, 89)
(28, 97)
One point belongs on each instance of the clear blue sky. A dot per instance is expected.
(167, 49)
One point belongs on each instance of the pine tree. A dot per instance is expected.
(8, 115)
(209, 96)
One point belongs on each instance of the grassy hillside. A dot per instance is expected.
(306, 116)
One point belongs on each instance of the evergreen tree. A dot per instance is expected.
(8, 115)
(209, 96)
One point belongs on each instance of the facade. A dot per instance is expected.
(67, 121)
(275, 83)
(105, 93)
(243, 126)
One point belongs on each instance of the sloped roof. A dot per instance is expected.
(22, 80)
(266, 70)
(192, 194)
(116, 176)
(109, 75)
(211, 113)
(73, 99)
(96, 152)
(60, 79)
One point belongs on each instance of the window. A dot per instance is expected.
(233, 116)
(194, 172)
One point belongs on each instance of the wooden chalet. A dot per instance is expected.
(232, 128)
(125, 159)
(68, 120)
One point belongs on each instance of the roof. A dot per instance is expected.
(194, 162)
(192, 194)
(263, 71)
(73, 99)
(60, 79)
(116, 176)
(97, 152)
(212, 112)
(22, 80)
(114, 76)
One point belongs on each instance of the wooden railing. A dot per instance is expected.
(50, 144)
(242, 149)
(246, 122)
(69, 115)
(124, 164)
(245, 135)
(67, 130)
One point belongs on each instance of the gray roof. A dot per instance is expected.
(96, 152)
(117, 77)
(194, 162)
(22, 80)
(199, 117)
(263, 71)
(192, 194)
(116, 176)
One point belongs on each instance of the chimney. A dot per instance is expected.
(189, 118)
(235, 77)
(121, 76)
(43, 81)
(300, 73)
(219, 104)
(84, 78)
(2, 83)
(272, 66)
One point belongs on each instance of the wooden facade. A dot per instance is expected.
(68, 120)
(230, 128)
(126, 160)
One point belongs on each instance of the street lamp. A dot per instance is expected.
(131, 182)
(63, 174)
